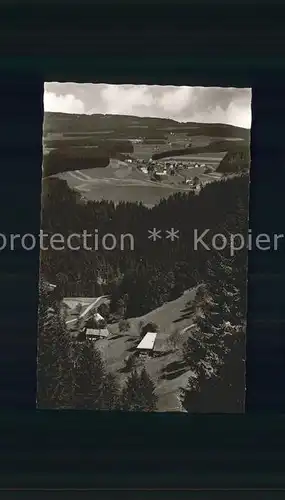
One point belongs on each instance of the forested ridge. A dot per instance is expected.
(134, 126)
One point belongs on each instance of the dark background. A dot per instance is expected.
(223, 45)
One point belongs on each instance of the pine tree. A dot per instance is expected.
(215, 348)
(138, 393)
(89, 374)
(131, 399)
(110, 393)
(54, 374)
(147, 387)
(224, 392)
(93, 387)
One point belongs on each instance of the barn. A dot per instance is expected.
(146, 345)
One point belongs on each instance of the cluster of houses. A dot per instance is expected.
(162, 169)
(91, 325)
(95, 328)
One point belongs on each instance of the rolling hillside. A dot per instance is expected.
(71, 124)
(167, 369)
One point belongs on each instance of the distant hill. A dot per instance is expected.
(87, 141)
(127, 126)
(220, 130)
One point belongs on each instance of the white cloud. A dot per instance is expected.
(240, 116)
(236, 115)
(62, 103)
(122, 100)
(176, 100)
(197, 104)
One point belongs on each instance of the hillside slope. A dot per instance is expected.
(167, 369)
(133, 126)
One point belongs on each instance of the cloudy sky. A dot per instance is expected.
(198, 104)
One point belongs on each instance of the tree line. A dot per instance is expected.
(237, 154)
(73, 155)
(237, 160)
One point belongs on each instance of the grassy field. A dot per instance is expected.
(117, 189)
(128, 184)
(167, 369)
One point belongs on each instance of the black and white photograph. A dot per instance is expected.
(144, 242)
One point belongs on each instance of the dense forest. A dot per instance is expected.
(75, 154)
(157, 271)
(72, 374)
(215, 350)
(235, 161)
(58, 161)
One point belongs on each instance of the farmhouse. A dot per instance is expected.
(96, 321)
(96, 333)
(146, 345)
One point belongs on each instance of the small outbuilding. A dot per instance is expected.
(146, 345)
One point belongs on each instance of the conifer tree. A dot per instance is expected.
(54, 375)
(93, 387)
(89, 375)
(110, 393)
(147, 387)
(131, 399)
(215, 349)
(138, 393)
